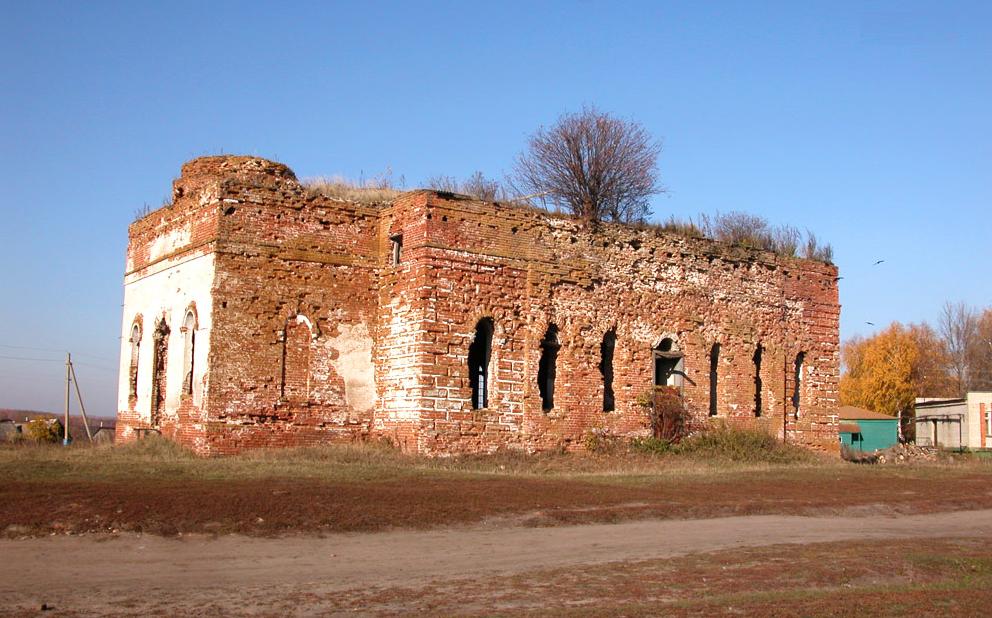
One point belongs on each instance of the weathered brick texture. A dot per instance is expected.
(314, 334)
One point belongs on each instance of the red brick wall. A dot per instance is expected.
(293, 272)
(525, 270)
(282, 253)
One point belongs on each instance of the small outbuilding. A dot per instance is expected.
(864, 430)
(8, 430)
(103, 435)
(955, 423)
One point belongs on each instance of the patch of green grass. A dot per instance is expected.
(741, 445)
(959, 596)
(966, 568)
(651, 446)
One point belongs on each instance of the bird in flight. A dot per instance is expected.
(870, 323)
(878, 262)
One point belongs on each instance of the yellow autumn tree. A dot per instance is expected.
(931, 375)
(879, 371)
(852, 354)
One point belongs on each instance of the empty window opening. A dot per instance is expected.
(397, 248)
(714, 377)
(797, 382)
(479, 353)
(669, 364)
(547, 368)
(133, 370)
(189, 342)
(160, 352)
(606, 349)
(297, 338)
(757, 379)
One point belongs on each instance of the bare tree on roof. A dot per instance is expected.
(980, 354)
(478, 185)
(594, 165)
(484, 188)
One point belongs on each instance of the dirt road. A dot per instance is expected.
(227, 571)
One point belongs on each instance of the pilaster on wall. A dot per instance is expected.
(983, 425)
(403, 349)
(814, 329)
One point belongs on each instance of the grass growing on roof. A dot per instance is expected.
(379, 190)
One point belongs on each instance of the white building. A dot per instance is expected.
(955, 423)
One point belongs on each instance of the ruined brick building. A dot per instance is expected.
(258, 313)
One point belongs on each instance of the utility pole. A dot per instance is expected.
(71, 379)
(79, 398)
(65, 427)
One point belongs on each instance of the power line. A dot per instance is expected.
(23, 358)
(102, 358)
(54, 360)
(26, 347)
(95, 366)
(7, 375)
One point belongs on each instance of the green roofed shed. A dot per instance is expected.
(864, 430)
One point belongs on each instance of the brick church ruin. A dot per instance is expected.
(258, 313)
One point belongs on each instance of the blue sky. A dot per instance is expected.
(867, 123)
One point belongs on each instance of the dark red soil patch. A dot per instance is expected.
(262, 507)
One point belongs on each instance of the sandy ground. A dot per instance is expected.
(102, 574)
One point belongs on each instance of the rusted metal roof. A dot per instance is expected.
(853, 413)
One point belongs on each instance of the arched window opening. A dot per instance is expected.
(547, 368)
(189, 344)
(160, 354)
(479, 353)
(669, 364)
(714, 377)
(133, 369)
(297, 338)
(797, 382)
(396, 249)
(606, 349)
(757, 379)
